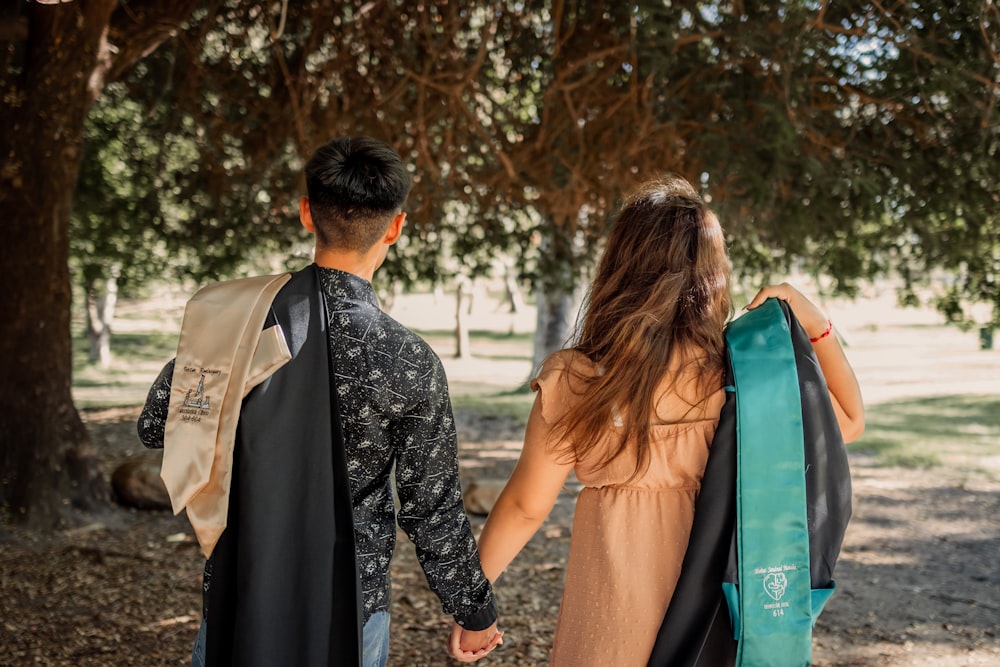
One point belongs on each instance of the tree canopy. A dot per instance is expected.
(851, 138)
(821, 131)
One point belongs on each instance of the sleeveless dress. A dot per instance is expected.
(629, 536)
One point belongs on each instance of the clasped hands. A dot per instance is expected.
(471, 645)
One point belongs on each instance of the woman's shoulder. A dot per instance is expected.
(566, 365)
(560, 381)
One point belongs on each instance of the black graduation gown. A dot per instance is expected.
(696, 630)
(285, 587)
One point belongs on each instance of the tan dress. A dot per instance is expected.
(629, 538)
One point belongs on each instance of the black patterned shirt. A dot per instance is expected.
(395, 410)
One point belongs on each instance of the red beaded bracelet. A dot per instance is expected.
(829, 328)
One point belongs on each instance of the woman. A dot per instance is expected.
(632, 408)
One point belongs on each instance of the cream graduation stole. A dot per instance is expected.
(223, 353)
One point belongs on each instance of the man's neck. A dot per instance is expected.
(361, 265)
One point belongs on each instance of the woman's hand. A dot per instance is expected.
(809, 315)
(471, 645)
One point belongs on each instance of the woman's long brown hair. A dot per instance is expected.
(661, 287)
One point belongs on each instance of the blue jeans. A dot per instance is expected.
(375, 642)
(198, 652)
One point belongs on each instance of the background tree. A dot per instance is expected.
(811, 125)
(946, 173)
(254, 102)
(849, 138)
(117, 231)
(55, 63)
(820, 131)
(579, 132)
(853, 138)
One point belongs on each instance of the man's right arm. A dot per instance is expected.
(431, 509)
(154, 414)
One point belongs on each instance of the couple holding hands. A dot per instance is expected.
(306, 406)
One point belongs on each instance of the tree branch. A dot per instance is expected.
(138, 27)
(14, 29)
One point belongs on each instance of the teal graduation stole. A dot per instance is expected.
(772, 609)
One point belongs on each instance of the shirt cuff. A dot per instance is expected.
(479, 620)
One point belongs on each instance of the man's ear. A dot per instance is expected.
(305, 215)
(395, 229)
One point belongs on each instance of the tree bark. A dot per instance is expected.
(46, 451)
(554, 321)
(49, 81)
(463, 300)
(557, 293)
(512, 289)
(100, 314)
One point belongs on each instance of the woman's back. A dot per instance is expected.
(630, 531)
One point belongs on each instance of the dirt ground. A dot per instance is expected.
(918, 582)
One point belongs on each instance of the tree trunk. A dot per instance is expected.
(50, 74)
(46, 456)
(100, 314)
(554, 321)
(556, 293)
(463, 300)
(512, 289)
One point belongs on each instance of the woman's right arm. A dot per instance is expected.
(845, 392)
(527, 498)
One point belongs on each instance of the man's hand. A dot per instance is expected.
(471, 645)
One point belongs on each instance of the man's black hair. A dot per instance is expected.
(355, 186)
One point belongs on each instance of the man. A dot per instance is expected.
(270, 495)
